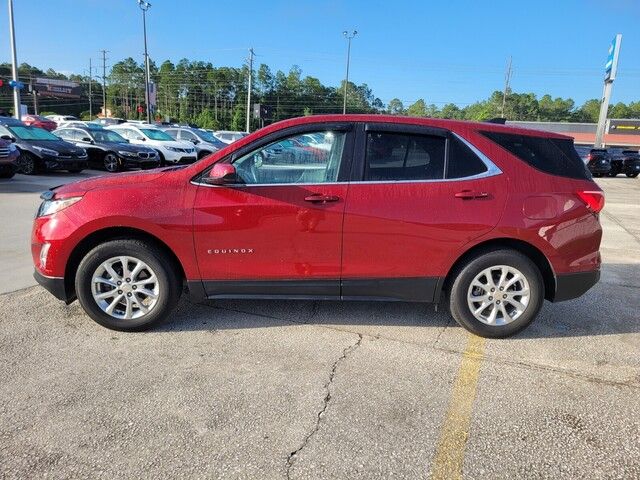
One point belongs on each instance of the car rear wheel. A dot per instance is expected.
(127, 285)
(111, 162)
(27, 163)
(632, 175)
(496, 294)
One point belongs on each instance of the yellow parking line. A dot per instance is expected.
(449, 456)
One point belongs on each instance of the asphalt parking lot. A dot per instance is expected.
(260, 389)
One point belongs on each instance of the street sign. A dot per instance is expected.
(611, 65)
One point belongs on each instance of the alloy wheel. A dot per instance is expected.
(125, 287)
(111, 162)
(498, 295)
(26, 164)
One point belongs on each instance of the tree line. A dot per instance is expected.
(216, 97)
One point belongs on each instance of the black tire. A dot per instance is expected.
(75, 170)
(27, 163)
(597, 175)
(466, 273)
(163, 162)
(632, 175)
(613, 173)
(7, 171)
(111, 162)
(154, 257)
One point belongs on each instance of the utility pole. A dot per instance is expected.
(348, 36)
(507, 81)
(611, 68)
(249, 89)
(104, 82)
(90, 98)
(34, 93)
(14, 64)
(144, 6)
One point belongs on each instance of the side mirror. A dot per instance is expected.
(8, 138)
(195, 141)
(221, 174)
(87, 140)
(142, 139)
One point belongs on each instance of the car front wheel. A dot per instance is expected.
(632, 175)
(111, 162)
(496, 294)
(127, 285)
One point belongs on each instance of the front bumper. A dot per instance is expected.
(573, 285)
(143, 163)
(54, 285)
(70, 163)
(602, 168)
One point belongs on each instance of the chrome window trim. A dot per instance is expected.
(492, 170)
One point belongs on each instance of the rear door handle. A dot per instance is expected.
(320, 198)
(470, 194)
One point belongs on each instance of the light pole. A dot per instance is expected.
(144, 6)
(14, 64)
(348, 36)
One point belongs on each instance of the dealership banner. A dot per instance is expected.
(51, 87)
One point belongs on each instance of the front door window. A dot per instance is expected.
(293, 161)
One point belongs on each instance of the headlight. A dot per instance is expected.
(49, 207)
(174, 149)
(82, 153)
(12, 147)
(46, 151)
(124, 153)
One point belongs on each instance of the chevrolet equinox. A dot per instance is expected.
(489, 219)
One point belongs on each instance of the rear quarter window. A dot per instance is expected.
(554, 156)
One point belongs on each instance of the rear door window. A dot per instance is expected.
(399, 156)
(555, 156)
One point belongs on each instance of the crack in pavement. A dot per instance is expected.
(325, 403)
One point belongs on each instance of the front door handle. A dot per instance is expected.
(320, 198)
(470, 194)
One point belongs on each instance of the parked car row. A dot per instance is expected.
(610, 162)
(28, 148)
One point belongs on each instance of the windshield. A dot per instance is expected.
(208, 137)
(155, 134)
(107, 136)
(32, 133)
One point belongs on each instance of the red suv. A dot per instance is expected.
(490, 219)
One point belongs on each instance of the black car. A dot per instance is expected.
(41, 150)
(627, 162)
(110, 150)
(599, 162)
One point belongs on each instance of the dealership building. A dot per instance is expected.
(618, 132)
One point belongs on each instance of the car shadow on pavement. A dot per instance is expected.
(611, 307)
(41, 182)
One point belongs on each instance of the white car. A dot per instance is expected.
(61, 118)
(228, 136)
(170, 150)
(78, 123)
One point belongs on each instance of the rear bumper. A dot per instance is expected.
(573, 285)
(54, 285)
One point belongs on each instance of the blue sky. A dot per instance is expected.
(454, 51)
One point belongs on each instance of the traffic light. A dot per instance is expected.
(1, 82)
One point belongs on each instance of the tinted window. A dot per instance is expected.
(394, 156)
(462, 161)
(289, 161)
(550, 155)
(155, 134)
(32, 133)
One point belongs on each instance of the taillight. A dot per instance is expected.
(594, 199)
(589, 157)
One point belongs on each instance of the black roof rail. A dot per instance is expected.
(497, 120)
